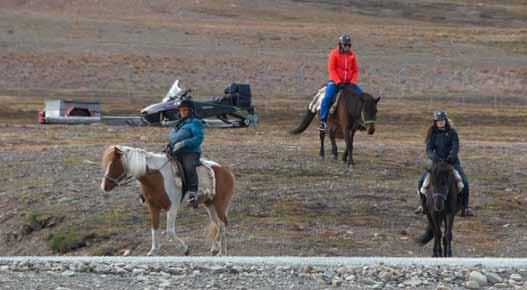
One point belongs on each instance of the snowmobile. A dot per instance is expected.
(232, 110)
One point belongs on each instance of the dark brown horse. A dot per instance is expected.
(355, 111)
(442, 204)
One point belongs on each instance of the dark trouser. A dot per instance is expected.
(189, 161)
(464, 193)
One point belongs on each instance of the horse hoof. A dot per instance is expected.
(187, 251)
(152, 253)
(214, 252)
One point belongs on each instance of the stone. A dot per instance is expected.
(307, 269)
(478, 277)
(472, 285)
(102, 268)
(443, 287)
(501, 285)
(493, 278)
(336, 283)
(414, 282)
(386, 276)
(369, 281)
(68, 273)
(515, 277)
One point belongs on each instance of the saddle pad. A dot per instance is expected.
(314, 106)
(206, 178)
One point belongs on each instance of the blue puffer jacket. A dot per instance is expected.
(444, 145)
(189, 130)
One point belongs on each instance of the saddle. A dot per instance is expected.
(426, 182)
(206, 176)
(314, 105)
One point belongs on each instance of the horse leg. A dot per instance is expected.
(216, 232)
(154, 215)
(437, 237)
(171, 230)
(348, 136)
(332, 136)
(447, 240)
(322, 137)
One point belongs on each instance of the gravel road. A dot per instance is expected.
(261, 273)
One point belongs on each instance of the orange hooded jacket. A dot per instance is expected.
(343, 67)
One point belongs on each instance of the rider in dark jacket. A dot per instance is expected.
(185, 140)
(442, 143)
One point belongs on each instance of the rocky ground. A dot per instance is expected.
(62, 275)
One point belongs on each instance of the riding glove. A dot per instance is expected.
(178, 146)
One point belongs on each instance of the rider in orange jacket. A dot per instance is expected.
(342, 68)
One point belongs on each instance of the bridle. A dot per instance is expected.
(364, 121)
(443, 196)
(122, 179)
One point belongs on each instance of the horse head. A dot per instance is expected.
(440, 180)
(115, 171)
(369, 112)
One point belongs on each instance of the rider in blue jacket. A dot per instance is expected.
(185, 142)
(442, 143)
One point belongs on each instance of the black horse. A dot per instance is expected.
(442, 204)
(355, 111)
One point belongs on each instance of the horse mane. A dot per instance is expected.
(107, 156)
(355, 101)
(133, 159)
(438, 171)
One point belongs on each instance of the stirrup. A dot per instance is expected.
(467, 212)
(193, 199)
(323, 126)
(419, 210)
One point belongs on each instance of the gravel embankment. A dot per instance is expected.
(260, 273)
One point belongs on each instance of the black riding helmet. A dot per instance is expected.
(440, 116)
(187, 103)
(344, 39)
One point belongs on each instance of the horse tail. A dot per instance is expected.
(308, 117)
(427, 236)
(224, 192)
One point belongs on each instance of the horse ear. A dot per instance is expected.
(116, 150)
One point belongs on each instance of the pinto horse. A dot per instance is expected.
(355, 111)
(442, 204)
(157, 178)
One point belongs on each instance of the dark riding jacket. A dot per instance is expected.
(443, 145)
(189, 130)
